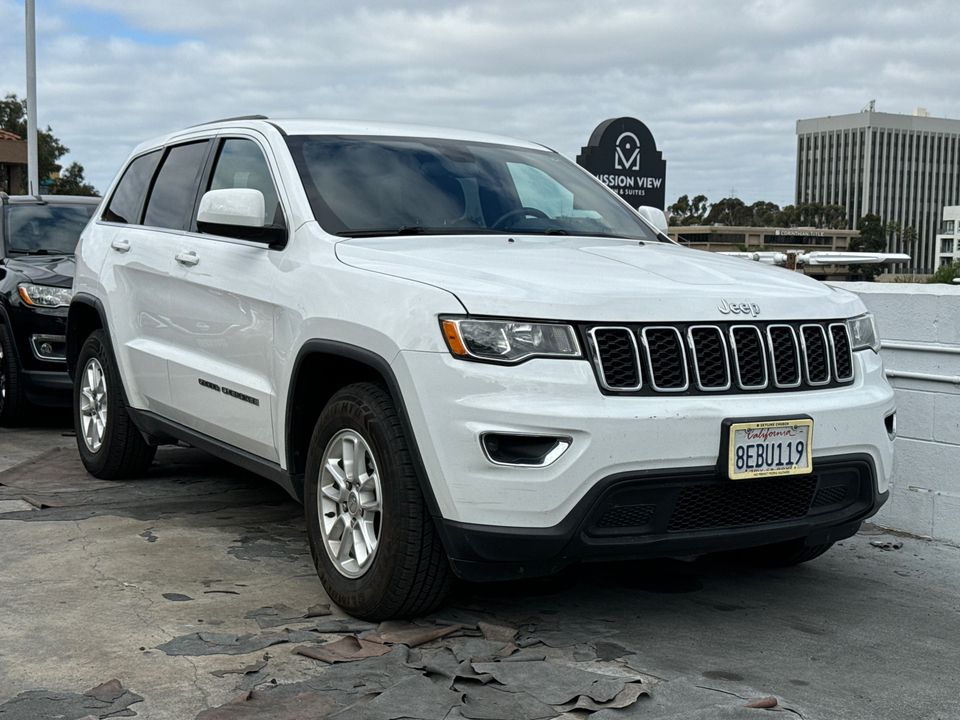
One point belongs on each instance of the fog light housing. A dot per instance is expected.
(523, 450)
(49, 347)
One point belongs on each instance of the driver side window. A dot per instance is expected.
(240, 164)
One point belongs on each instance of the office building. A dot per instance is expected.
(948, 239)
(904, 168)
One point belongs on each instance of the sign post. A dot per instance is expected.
(623, 155)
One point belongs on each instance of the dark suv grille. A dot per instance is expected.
(725, 357)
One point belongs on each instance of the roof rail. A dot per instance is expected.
(229, 119)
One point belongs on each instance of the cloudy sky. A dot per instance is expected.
(720, 83)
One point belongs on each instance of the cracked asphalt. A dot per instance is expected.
(193, 586)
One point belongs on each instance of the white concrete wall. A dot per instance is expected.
(920, 329)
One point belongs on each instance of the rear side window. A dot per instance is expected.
(127, 200)
(175, 189)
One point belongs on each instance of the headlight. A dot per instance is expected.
(509, 341)
(45, 296)
(863, 333)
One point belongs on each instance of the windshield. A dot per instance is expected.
(365, 186)
(45, 229)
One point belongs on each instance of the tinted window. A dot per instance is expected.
(127, 200)
(393, 186)
(175, 189)
(241, 164)
(50, 228)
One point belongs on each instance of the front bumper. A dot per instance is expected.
(680, 512)
(452, 404)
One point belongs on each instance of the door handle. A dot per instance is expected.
(121, 246)
(187, 258)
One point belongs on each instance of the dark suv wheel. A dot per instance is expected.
(373, 541)
(13, 403)
(110, 445)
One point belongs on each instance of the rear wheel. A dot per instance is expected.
(14, 405)
(110, 445)
(372, 538)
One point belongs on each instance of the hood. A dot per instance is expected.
(597, 279)
(54, 270)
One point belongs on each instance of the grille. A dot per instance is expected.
(785, 355)
(817, 361)
(665, 358)
(725, 357)
(830, 495)
(711, 367)
(616, 352)
(702, 507)
(843, 362)
(627, 516)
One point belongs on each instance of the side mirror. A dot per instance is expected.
(654, 216)
(232, 206)
(238, 213)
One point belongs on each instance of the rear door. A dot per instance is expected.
(222, 314)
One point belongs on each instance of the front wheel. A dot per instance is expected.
(110, 445)
(13, 401)
(372, 538)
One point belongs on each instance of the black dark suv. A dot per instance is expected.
(39, 236)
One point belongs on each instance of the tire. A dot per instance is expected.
(110, 445)
(392, 563)
(784, 554)
(14, 406)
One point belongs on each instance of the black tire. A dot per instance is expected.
(784, 554)
(407, 572)
(115, 450)
(14, 406)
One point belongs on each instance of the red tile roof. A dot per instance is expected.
(4, 135)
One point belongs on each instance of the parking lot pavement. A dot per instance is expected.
(193, 586)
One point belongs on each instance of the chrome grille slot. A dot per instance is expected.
(842, 357)
(749, 357)
(616, 353)
(711, 364)
(666, 360)
(816, 358)
(784, 356)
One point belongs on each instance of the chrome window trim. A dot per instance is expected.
(696, 364)
(806, 356)
(649, 363)
(591, 334)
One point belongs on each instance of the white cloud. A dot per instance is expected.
(721, 84)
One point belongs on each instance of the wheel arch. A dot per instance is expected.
(322, 367)
(85, 315)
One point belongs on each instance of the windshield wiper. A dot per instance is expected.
(402, 230)
(38, 251)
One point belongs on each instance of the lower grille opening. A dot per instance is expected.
(627, 516)
(733, 504)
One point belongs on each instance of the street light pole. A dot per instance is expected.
(33, 164)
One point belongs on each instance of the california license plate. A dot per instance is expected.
(771, 448)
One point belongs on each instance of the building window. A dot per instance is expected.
(946, 245)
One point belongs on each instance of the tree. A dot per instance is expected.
(13, 118)
(729, 211)
(72, 182)
(687, 212)
(873, 238)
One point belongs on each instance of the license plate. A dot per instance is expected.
(768, 449)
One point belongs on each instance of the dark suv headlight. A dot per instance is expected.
(45, 296)
(509, 341)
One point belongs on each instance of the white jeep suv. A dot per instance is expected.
(466, 357)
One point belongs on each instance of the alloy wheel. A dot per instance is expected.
(93, 405)
(350, 503)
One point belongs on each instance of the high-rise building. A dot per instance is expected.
(904, 168)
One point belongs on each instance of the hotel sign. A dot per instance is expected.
(623, 155)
